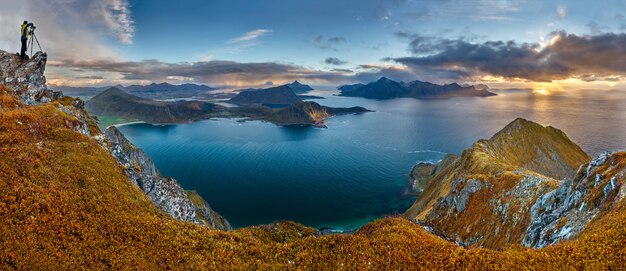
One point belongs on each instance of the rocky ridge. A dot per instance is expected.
(525, 186)
(27, 81)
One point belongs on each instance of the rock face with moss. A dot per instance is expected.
(164, 192)
(25, 77)
(565, 212)
(487, 195)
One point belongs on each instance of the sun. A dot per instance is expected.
(541, 91)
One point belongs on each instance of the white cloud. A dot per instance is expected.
(251, 36)
(561, 12)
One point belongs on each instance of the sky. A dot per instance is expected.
(536, 44)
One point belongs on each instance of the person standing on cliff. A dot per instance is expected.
(25, 34)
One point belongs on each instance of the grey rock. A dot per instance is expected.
(165, 193)
(563, 213)
(25, 77)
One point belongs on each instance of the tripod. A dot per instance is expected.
(33, 38)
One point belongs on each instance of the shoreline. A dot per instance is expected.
(127, 123)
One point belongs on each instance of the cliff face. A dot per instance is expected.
(164, 192)
(519, 187)
(27, 84)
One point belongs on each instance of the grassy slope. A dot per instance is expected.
(66, 204)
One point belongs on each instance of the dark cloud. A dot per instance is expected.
(93, 77)
(568, 55)
(327, 43)
(334, 61)
(214, 72)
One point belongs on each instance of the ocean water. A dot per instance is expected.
(356, 170)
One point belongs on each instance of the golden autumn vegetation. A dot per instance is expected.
(66, 204)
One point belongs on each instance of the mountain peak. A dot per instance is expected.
(527, 144)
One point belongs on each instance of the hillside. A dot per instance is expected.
(386, 88)
(116, 102)
(281, 95)
(499, 180)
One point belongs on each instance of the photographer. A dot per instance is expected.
(25, 33)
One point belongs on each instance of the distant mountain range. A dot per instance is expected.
(152, 91)
(386, 88)
(117, 102)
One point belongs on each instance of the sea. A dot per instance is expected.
(356, 170)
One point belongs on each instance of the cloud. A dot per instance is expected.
(70, 28)
(251, 36)
(116, 15)
(212, 72)
(561, 12)
(593, 57)
(328, 43)
(334, 61)
(90, 77)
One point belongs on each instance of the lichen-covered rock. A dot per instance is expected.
(564, 212)
(164, 192)
(26, 77)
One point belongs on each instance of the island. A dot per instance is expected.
(386, 88)
(279, 105)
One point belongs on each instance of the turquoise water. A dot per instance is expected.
(356, 170)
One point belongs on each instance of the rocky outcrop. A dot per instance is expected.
(164, 192)
(26, 77)
(564, 212)
(485, 196)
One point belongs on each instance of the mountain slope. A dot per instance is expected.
(386, 88)
(299, 88)
(116, 102)
(492, 186)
